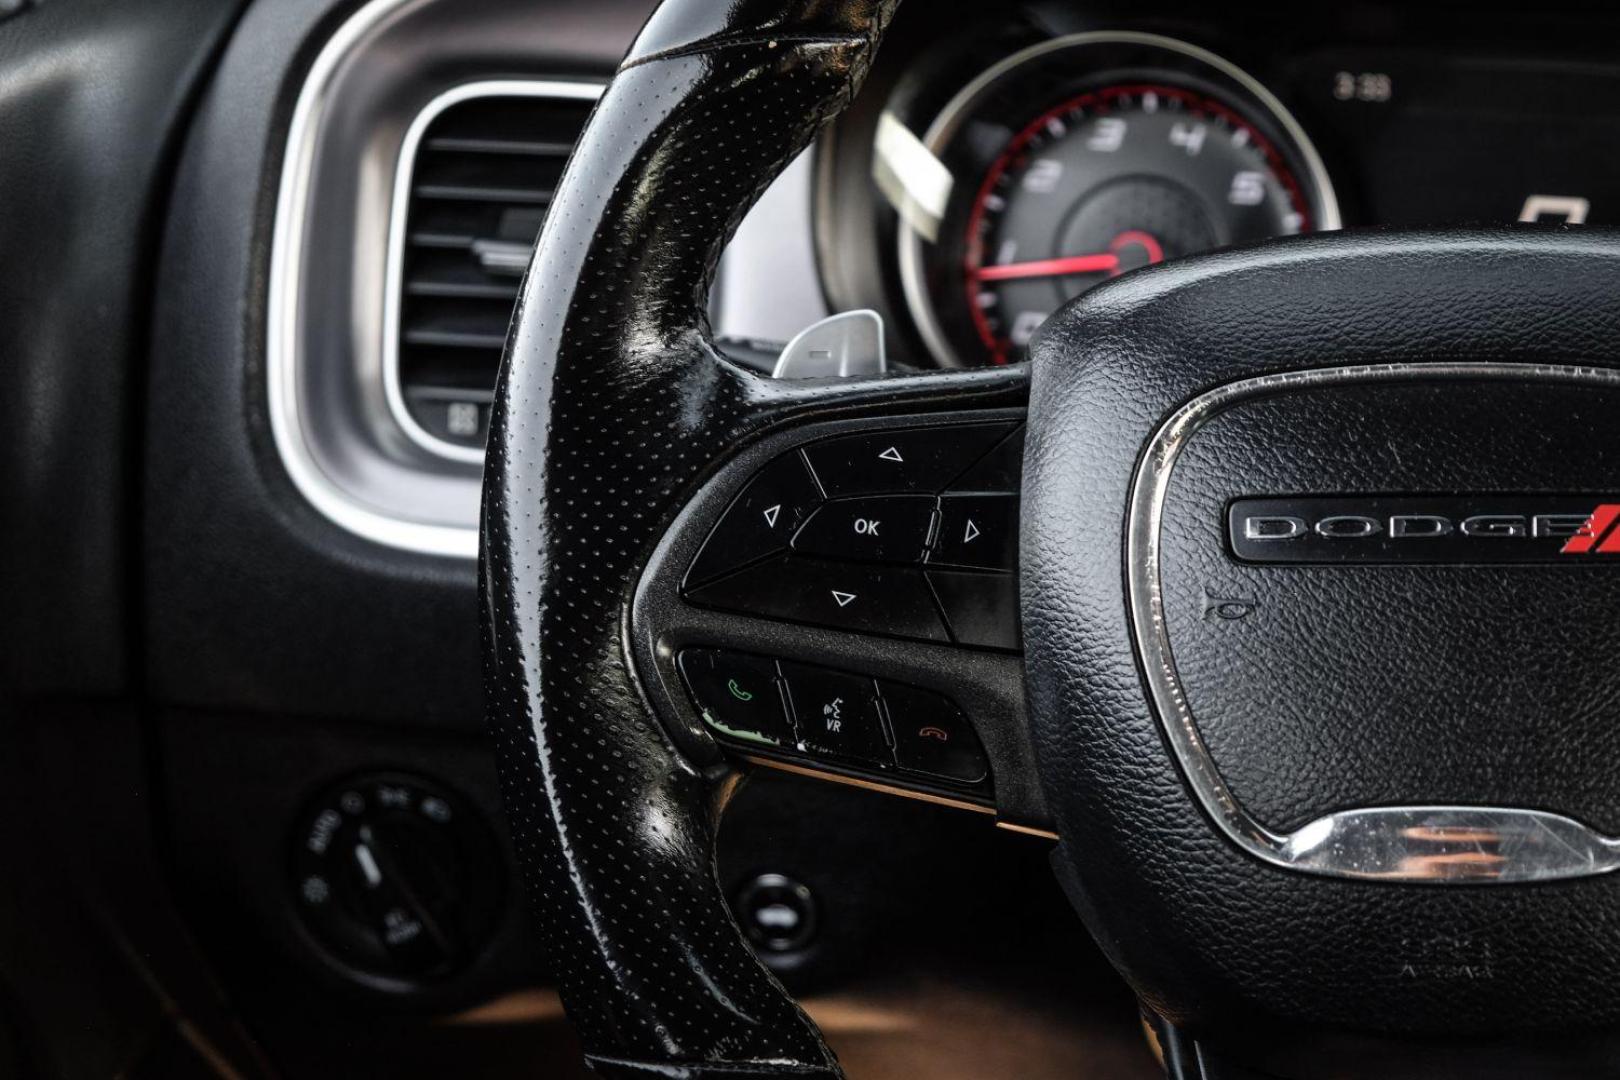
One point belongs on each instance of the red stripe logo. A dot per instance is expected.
(1598, 535)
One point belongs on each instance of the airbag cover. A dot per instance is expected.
(1318, 687)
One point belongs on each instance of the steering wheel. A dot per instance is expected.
(1303, 654)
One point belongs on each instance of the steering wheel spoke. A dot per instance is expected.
(618, 430)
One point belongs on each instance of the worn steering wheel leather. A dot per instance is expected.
(612, 405)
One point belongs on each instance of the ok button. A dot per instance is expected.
(874, 528)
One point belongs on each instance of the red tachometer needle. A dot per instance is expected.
(1103, 262)
(1100, 263)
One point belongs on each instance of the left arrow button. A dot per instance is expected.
(760, 521)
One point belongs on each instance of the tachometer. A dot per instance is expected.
(1083, 158)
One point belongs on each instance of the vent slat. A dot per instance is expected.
(455, 339)
(514, 147)
(451, 393)
(441, 241)
(488, 221)
(483, 178)
(468, 193)
(469, 290)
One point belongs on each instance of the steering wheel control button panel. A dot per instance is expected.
(761, 521)
(876, 528)
(901, 460)
(906, 509)
(837, 714)
(866, 646)
(737, 695)
(396, 878)
(931, 735)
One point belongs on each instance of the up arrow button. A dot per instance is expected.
(902, 461)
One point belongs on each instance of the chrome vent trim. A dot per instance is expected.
(283, 315)
(344, 497)
(334, 430)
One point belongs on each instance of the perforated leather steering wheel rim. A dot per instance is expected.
(612, 406)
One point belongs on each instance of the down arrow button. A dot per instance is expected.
(865, 597)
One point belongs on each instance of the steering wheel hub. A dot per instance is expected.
(1360, 638)
(1388, 656)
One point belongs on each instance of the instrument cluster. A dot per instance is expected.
(994, 173)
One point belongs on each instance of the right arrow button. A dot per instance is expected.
(978, 531)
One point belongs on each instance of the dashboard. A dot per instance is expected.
(355, 201)
(994, 168)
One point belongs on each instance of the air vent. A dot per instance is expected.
(478, 169)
